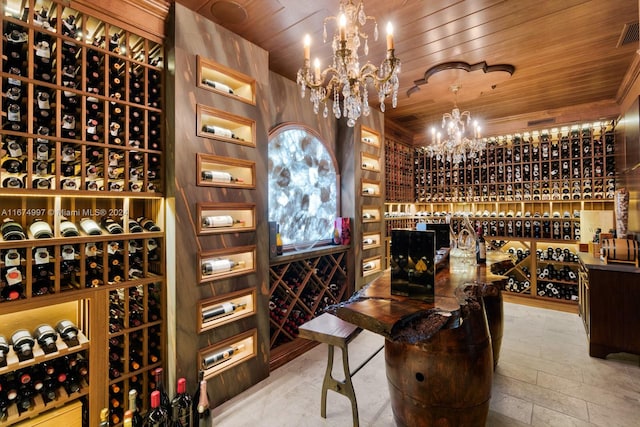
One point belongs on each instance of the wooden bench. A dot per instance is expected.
(335, 332)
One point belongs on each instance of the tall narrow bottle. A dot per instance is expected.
(104, 417)
(136, 418)
(157, 415)
(481, 247)
(200, 405)
(164, 397)
(181, 415)
(278, 240)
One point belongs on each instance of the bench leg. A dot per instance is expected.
(345, 387)
(327, 383)
(348, 386)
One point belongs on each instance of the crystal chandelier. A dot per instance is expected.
(345, 78)
(457, 146)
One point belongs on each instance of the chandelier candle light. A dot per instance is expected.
(345, 77)
(457, 146)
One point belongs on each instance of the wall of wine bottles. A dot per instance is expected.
(566, 163)
(81, 182)
(527, 192)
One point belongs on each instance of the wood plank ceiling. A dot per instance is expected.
(565, 53)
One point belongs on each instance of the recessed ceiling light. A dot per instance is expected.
(228, 12)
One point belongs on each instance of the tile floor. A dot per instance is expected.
(545, 377)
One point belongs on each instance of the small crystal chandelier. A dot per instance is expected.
(457, 147)
(345, 76)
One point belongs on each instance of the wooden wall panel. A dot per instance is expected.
(193, 35)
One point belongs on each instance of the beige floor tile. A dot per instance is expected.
(544, 417)
(544, 397)
(516, 370)
(605, 417)
(511, 407)
(614, 398)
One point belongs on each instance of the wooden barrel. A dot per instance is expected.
(445, 381)
(495, 318)
(620, 249)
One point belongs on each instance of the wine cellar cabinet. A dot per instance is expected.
(82, 253)
(527, 192)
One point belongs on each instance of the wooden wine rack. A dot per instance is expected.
(95, 150)
(517, 211)
(301, 286)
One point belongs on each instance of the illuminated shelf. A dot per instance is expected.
(245, 299)
(225, 81)
(217, 171)
(223, 126)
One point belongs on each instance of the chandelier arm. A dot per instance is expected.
(369, 69)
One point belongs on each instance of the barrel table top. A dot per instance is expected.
(400, 318)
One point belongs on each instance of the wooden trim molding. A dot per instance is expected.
(626, 93)
(146, 17)
(459, 65)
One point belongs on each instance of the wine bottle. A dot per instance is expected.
(42, 272)
(200, 403)
(42, 61)
(157, 415)
(68, 228)
(220, 131)
(136, 418)
(217, 85)
(104, 417)
(221, 355)
(94, 270)
(23, 343)
(369, 190)
(220, 265)
(90, 227)
(216, 221)
(111, 225)
(116, 265)
(68, 332)
(221, 310)
(4, 350)
(13, 290)
(279, 249)
(481, 247)
(12, 230)
(181, 415)
(367, 266)
(46, 337)
(219, 176)
(147, 224)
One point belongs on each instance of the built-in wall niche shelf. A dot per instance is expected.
(371, 265)
(370, 162)
(31, 319)
(371, 188)
(220, 171)
(226, 308)
(224, 126)
(226, 354)
(370, 137)
(371, 240)
(222, 264)
(226, 217)
(226, 81)
(370, 214)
